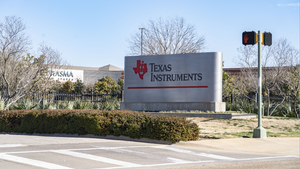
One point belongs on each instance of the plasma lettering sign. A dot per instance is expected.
(64, 75)
(193, 77)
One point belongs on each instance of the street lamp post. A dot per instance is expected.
(141, 40)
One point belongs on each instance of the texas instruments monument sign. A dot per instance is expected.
(174, 82)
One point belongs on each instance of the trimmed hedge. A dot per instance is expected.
(100, 123)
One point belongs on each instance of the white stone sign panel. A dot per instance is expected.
(63, 75)
(181, 78)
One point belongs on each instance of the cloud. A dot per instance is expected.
(294, 5)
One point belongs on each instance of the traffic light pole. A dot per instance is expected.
(259, 131)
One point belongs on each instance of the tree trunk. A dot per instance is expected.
(268, 103)
(295, 110)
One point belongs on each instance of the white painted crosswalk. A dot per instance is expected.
(121, 157)
(96, 158)
(11, 145)
(31, 162)
(213, 156)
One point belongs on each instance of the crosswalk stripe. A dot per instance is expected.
(176, 160)
(11, 145)
(194, 153)
(96, 158)
(31, 162)
(214, 156)
(162, 164)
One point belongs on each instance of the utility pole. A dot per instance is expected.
(141, 40)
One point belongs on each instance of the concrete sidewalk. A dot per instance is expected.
(270, 145)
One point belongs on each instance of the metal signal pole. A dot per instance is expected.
(141, 40)
(259, 131)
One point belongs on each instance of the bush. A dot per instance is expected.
(283, 110)
(101, 123)
(25, 104)
(111, 104)
(242, 106)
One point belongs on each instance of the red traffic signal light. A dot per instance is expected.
(250, 38)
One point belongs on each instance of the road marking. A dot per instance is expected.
(96, 158)
(11, 145)
(263, 158)
(138, 153)
(163, 164)
(215, 156)
(31, 162)
(194, 153)
(122, 164)
(176, 160)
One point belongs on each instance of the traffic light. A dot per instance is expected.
(250, 38)
(267, 38)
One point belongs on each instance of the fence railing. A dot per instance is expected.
(271, 105)
(54, 97)
(253, 99)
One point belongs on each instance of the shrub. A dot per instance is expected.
(82, 105)
(23, 104)
(242, 106)
(111, 104)
(62, 105)
(101, 123)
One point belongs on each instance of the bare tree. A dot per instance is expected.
(281, 56)
(19, 71)
(247, 60)
(291, 79)
(276, 62)
(166, 36)
(292, 82)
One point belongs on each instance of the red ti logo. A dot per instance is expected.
(246, 38)
(141, 68)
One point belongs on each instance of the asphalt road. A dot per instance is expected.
(272, 164)
(61, 152)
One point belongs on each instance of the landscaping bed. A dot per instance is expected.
(238, 128)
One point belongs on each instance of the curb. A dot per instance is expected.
(110, 137)
(207, 115)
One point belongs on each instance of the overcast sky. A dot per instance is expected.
(93, 33)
